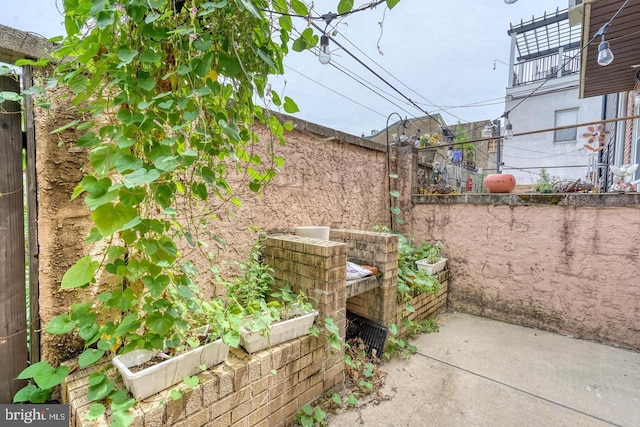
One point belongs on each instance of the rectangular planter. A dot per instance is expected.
(422, 264)
(278, 332)
(153, 379)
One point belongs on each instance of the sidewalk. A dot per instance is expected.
(481, 372)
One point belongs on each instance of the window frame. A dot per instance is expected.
(567, 135)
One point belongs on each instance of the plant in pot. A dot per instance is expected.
(429, 258)
(270, 316)
(412, 280)
(544, 184)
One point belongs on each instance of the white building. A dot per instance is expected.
(543, 93)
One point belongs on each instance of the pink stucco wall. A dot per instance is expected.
(571, 269)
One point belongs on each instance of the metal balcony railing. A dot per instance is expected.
(559, 64)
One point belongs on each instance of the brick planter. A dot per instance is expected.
(426, 305)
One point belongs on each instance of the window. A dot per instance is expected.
(566, 118)
(492, 146)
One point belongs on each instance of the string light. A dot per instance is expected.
(324, 56)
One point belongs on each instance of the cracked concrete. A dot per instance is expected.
(481, 372)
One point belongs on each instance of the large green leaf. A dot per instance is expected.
(45, 375)
(159, 323)
(89, 357)
(100, 391)
(299, 7)
(392, 3)
(110, 218)
(290, 106)
(61, 324)
(80, 273)
(345, 6)
(141, 177)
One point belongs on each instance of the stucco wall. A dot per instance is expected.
(329, 178)
(571, 269)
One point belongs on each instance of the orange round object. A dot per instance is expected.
(500, 183)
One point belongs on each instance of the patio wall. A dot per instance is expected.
(329, 178)
(563, 263)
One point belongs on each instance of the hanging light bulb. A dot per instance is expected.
(605, 55)
(508, 131)
(510, 1)
(324, 56)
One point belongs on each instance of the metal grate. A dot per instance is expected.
(372, 334)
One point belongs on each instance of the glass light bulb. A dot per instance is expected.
(605, 55)
(324, 56)
(508, 131)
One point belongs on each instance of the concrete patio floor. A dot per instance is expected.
(480, 372)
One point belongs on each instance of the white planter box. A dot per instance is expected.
(422, 264)
(278, 332)
(153, 379)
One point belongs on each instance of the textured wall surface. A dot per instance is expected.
(329, 178)
(568, 269)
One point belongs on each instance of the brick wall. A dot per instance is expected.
(241, 392)
(425, 304)
(378, 250)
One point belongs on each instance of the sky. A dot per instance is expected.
(440, 54)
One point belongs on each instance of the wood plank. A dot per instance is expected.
(32, 206)
(13, 335)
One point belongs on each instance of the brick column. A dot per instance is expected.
(379, 250)
(318, 267)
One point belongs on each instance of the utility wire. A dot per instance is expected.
(334, 91)
(429, 102)
(362, 82)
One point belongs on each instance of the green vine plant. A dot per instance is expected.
(167, 97)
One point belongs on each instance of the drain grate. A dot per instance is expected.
(372, 334)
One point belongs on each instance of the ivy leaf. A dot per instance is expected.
(121, 419)
(45, 375)
(345, 6)
(159, 323)
(299, 7)
(150, 56)
(95, 411)
(248, 5)
(31, 393)
(147, 84)
(230, 131)
(394, 193)
(60, 325)
(290, 106)
(392, 3)
(89, 357)
(395, 210)
(126, 56)
(80, 273)
(192, 381)
(176, 394)
(110, 218)
(100, 390)
(141, 177)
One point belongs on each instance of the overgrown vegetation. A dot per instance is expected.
(166, 94)
(544, 184)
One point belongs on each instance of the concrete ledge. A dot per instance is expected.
(527, 199)
(16, 44)
(358, 286)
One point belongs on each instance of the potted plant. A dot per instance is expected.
(188, 351)
(430, 259)
(286, 316)
(270, 316)
(544, 184)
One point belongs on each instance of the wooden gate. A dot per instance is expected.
(13, 309)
